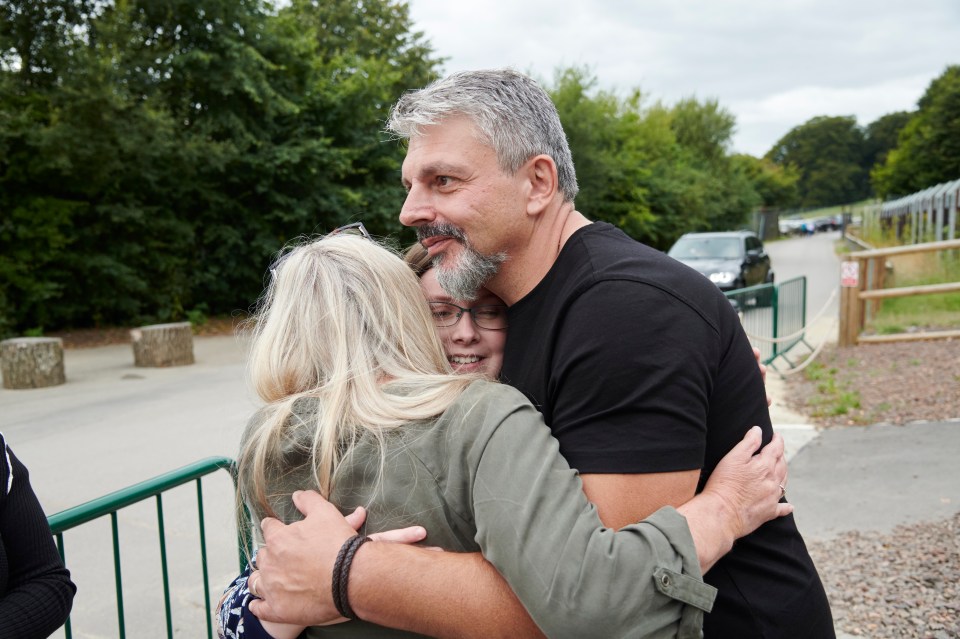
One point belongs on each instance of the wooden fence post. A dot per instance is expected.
(851, 280)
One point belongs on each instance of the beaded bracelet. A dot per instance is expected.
(341, 574)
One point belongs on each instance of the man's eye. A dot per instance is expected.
(444, 180)
(440, 315)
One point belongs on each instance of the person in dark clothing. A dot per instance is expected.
(624, 396)
(36, 593)
(638, 364)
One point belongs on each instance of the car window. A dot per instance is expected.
(706, 248)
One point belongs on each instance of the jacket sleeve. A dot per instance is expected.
(39, 593)
(575, 577)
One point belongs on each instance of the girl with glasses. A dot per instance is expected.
(473, 332)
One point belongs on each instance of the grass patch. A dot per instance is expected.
(832, 398)
(941, 311)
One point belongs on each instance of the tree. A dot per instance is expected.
(928, 146)
(174, 146)
(656, 172)
(364, 54)
(881, 137)
(36, 37)
(828, 155)
(704, 128)
(775, 185)
(611, 146)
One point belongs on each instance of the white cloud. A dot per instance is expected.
(762, 122)
(774, 64)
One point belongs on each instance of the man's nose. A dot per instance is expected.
(417, 209)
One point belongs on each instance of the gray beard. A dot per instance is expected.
(462, 280)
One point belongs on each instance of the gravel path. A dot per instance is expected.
(905, 584)
(895, 383)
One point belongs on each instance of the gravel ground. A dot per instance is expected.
(905, 584)
(893, 383)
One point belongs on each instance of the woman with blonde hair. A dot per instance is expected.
(362, 406)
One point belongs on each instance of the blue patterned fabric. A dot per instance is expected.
(234, 619)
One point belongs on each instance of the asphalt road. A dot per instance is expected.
(112, 425)
(857, 478)
(813, 257)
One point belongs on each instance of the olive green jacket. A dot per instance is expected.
(487, 476)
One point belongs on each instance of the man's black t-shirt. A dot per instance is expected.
(640, 365)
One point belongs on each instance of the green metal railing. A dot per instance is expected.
(115, 501)
(773, 316)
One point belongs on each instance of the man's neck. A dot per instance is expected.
(528, 265)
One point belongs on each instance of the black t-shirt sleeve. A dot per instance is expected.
(631, 381)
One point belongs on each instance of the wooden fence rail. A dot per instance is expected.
(862, 276)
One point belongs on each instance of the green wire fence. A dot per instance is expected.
(155, 487)
(773, 316)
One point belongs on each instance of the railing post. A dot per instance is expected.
(110, 504)
(879, 277)
(851, 280)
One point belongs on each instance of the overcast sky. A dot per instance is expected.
(773, 63)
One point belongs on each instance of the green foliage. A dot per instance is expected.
(882, 135)
(776, 185)
(928, 146)
(154, 154)
(833, 397)
(938, 312)
(656, 172)
(828, 155)
(610, 143)
(197, 316)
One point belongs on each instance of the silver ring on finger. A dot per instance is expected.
(783, 491)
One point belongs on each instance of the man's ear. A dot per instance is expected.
(542, 173)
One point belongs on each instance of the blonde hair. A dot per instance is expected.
(344, 322)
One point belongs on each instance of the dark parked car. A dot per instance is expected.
(829, 223)
(731, 260)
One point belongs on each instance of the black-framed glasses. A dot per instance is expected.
(492, 317)
(354, 228)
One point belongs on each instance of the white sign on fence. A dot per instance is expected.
(849, 274)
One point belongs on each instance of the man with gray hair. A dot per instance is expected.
(638, 364)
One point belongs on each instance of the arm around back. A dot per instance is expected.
(537, 528)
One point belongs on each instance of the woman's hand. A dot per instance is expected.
(743, 492)
(751, 485)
